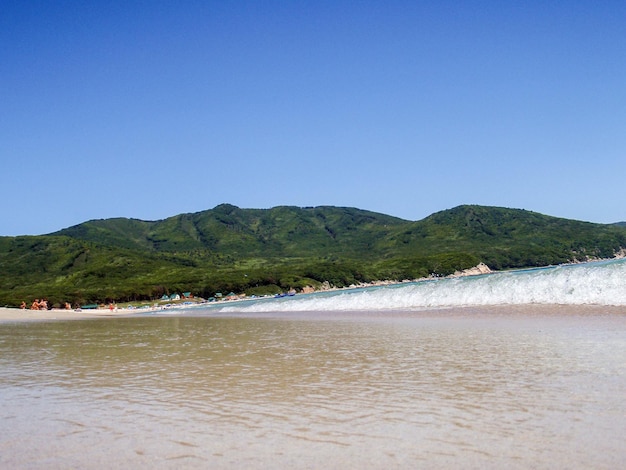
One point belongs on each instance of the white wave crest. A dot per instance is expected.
(601, 283)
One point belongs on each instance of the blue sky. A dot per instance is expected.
(149, 109)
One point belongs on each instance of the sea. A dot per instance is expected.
(520, 369)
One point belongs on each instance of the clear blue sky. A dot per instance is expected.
(148, 109)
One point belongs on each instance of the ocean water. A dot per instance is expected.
(597, 283)
(446, 374)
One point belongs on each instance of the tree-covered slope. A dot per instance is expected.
(268, 250)
(240, 233)
(506, 238)
(62, 268)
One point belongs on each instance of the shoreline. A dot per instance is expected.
(478, 270)
(10, 314)
(16, 315)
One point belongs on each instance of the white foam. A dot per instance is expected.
(601, 283)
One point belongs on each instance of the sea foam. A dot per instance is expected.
(597, 283)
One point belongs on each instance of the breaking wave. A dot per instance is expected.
(596, 283)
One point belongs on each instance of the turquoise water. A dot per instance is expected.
(598, 283)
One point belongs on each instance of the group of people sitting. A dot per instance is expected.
(39, 304)
(43, 305)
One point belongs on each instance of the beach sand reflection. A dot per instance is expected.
(465, 388)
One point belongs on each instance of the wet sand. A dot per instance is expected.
(26, 315)
(486, 388)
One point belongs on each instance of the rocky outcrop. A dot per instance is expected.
(480, 268)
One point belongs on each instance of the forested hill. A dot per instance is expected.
(239, 233)
(270, 250)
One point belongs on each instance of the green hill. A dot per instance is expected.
(269, 250)
(243, 233)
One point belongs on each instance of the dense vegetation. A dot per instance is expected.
(261, 251)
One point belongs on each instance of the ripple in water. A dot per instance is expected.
(465, 388)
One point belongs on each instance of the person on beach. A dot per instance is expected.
(35, 305)
(23, 305)
(68, 306)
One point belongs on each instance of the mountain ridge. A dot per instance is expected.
(270, 250)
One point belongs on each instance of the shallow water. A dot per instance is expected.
(457, 388)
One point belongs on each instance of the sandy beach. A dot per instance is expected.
(17, 314)
(9, 315)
